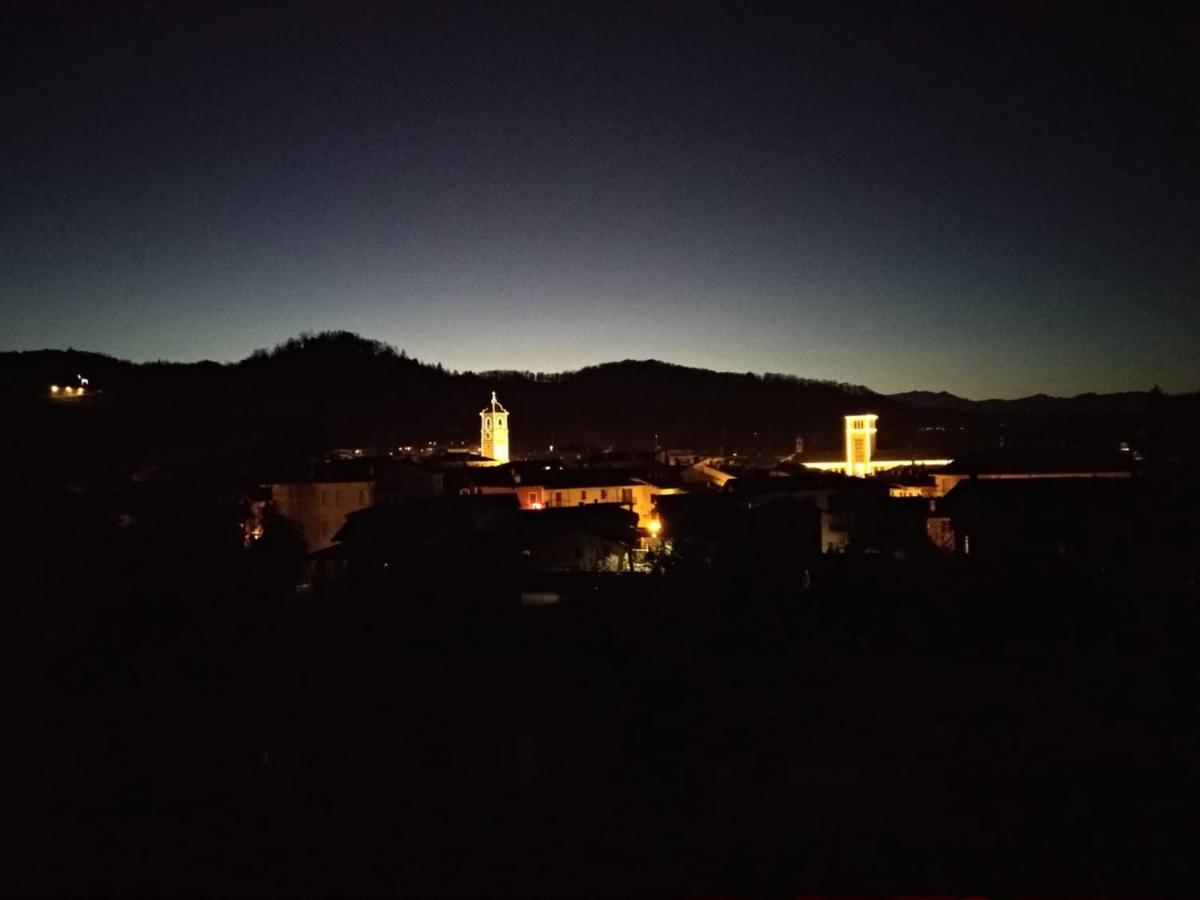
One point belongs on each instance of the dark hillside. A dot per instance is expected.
(336, 389)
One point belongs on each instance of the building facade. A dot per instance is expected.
(320, 508)
(318, 500)
(561, 490)
(860, 444)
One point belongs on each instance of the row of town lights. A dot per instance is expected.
(70, 391)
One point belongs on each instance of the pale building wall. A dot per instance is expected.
(320, 508)
(639, 497)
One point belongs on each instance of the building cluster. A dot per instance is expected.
(606, 511)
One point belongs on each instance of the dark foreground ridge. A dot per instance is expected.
(752, 718)
(941, 728)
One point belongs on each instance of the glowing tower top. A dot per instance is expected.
(860, 444)
(493, 434)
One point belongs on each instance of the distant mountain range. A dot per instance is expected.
(336, 389)
(1124, 402)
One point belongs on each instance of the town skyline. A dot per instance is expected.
(561, 447)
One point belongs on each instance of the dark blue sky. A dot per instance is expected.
(991, 200)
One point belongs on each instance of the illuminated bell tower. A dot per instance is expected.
(860, 444)
(493, 434)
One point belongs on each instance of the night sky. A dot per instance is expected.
(994, 200)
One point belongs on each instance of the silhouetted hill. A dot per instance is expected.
(1123, 402)
(336, 389)
(933, 400)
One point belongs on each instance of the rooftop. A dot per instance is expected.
(1005, 461)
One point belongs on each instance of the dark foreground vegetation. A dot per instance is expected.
(926, 726)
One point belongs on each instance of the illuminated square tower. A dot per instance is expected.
(493, 434)
(860, 444)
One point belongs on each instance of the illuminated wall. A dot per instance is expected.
(636, 495)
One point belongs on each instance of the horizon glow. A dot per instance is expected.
(926, 205)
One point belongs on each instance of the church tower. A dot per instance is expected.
(860, 444)
(493, 434)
